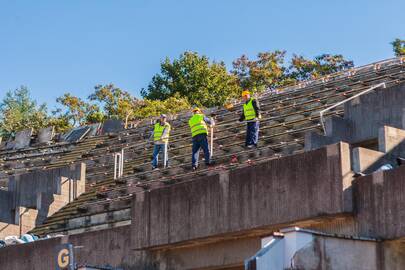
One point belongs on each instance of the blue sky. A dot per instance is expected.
(54, 47)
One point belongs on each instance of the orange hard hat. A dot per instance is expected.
(196, 109)
(245, 93)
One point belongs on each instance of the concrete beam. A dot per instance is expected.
(251, 200)
(391, 141)
(366, 160)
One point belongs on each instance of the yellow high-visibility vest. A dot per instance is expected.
(249, 110)
(197, 125)
(158, 132)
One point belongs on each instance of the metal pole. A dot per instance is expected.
(115, 166)
(212, 142)
(346, 100)
(122, 163)
(165, 156)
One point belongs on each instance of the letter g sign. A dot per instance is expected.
(64, 257)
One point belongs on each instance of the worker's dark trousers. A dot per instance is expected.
(200, 141)
(252, 133)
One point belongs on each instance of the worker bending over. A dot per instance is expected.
(160, 135)
(250, 114)
(199, 132)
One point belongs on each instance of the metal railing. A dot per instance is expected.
(118, 164)
(346, 100)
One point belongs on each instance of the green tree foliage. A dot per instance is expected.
(267, 71)
(194, 77)
(60, 122)
(116, 103)
(171, 105)
(19, 111)
(305, 69)
(398, 45)
(77, 111)
(270, 69)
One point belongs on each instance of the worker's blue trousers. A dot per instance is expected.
(252, 133)
(155, 156)
(200, 141)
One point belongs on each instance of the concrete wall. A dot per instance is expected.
(371, 111)
(379, 203)
(255, 199)
(32, 197)
(95, 248)
(331, 253)
(363, 117)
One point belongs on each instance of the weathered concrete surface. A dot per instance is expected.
(375, 109)
(112, 247)
(379, 203)
(363, 117)
(219, 255)
(391, 141)
(393, 255)
(254, 199)
(338, 253)
(105, 247)
(367, 160)
(39, 194)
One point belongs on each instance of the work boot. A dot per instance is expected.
(211, 163)
(194, 168)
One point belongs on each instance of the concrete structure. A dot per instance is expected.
(295, 248)
(216, 218)
(226, 205)
(31, 198)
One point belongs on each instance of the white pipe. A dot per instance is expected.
(346, 100)
(115, 166)
(122, 163)
(118, 164)
(212, 143)
(165, 156)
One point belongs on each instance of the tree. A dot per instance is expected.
(267, 71)
(19, 111)
(194, 77)
(305, 69)
(398, 45)
(116, 103)
(77, 111)
(172, 105)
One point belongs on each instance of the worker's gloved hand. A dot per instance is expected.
(260, 116)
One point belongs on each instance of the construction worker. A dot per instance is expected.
(160, 135)
(199, 132)
(250, 114)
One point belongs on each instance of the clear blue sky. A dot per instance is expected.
(57, 46)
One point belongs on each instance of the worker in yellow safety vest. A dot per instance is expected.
(251, 115)
(199, 131)
(160, 136)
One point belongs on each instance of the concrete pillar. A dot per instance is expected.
(338, 128)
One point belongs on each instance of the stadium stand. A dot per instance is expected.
(287, 115)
